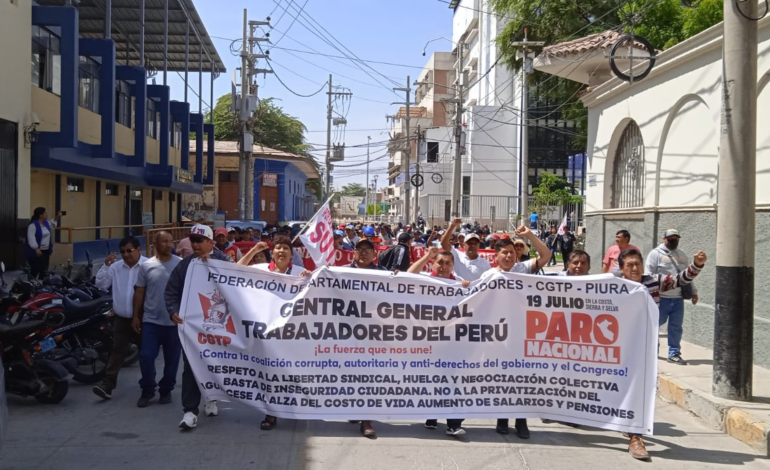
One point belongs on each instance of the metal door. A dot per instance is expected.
(10, 241)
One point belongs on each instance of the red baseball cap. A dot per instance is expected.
(220, 231)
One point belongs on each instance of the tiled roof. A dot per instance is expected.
(418, 111)
(603, 40)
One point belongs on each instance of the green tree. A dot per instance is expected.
(552, 191)
(708, 13)
(353, 189)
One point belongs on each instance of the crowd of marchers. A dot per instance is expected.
(147, 293)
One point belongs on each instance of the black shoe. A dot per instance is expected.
(431, 423)
(502, 426)
(103, 392)
(522, 431)
(144, 400)
(165, 399)
(677, 359)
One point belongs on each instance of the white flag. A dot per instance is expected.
(318, 237)
(563, 225)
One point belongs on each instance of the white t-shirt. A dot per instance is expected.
(525, 267)
(471, 269)
(294, 270)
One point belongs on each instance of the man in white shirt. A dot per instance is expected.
(121, 277)
(468, 265)
(506, 258)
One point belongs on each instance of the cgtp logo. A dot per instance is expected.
(216, 319)
(574, 336)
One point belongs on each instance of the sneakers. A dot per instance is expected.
(102, 392)
(211, 408)
(165, 399)
(455, 431)
(636, 448)
(144, 400)
(677, 359)
(189, 421)
(431, 424)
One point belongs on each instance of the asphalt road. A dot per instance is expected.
(83, 433)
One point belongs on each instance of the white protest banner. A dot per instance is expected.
(562, 226)
(359, 344)
(318, 237)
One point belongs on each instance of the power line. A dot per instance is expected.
(292, 22)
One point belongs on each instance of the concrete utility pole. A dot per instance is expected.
(366, 198)
(375, 196)
(408, 150)
(246, 107)
(330, 94)
(457, 170)
(736, 196)
(527, 55)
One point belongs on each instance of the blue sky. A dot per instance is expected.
(385, 31)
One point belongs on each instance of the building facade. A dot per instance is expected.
(280, 194)
(653, 150)
(86, 134)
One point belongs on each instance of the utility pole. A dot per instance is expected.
(375, 196)
(408, 150)
(457, 173)
(246, 107)
(527, 55)
(330, 94)
(366, 198)
(736, 196)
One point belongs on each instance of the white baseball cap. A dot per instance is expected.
(202, 230)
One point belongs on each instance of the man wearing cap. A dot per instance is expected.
(468, 265)
(350, 235)
(339, 241)
(225, 246)
(622, 242)
(363, 258)
(397, 256)
(667, 258)
(202, 240)
(231, 234)
(417, 240)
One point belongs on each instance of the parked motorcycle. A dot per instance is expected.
(27, 369)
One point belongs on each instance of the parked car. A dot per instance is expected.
(258, 225)
(297, 224)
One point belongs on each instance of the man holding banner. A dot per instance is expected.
(468, 265)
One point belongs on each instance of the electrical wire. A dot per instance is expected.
(292, 22)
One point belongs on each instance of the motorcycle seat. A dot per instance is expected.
(72, 307)
(20, 330)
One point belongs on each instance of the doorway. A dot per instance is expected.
(10, 246)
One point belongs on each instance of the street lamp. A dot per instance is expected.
(435, 39)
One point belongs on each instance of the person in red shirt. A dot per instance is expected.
(225, 246)
(622, 242)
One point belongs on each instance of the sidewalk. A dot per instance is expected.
(689, 387)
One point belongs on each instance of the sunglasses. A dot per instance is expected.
(197, 239)
(127, 252)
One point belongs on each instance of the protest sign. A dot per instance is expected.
(318, 237)
(359, 344)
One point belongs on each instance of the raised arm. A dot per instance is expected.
(668, 282)
(416, 268)
(246, 259)
(543, 253)
(446, 240)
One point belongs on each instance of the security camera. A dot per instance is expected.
(34, 120)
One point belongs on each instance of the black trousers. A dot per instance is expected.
(191, 394)
(38, 265)
(565, 257)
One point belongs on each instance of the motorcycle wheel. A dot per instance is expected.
(54, 390)
(92, 357)
(133, 355)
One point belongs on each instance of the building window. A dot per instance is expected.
(46, 60)
(432, 152)
(122, 103)
(628, 170)
(111, 189)
(158, 195)
(75, 185)
(152, 120)
(466, 196)
(88, 92)
(176, 135)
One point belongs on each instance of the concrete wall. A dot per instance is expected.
(43, 193)
(113, 208)
(15, 99)
(698, 233)
(124, 139)
(89, 127)
(46, 105)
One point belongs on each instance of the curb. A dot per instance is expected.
(721, 414)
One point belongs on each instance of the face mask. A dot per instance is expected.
(672, 243)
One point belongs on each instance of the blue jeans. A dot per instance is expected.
(153, 337)
(672, 310)
(552, 261)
